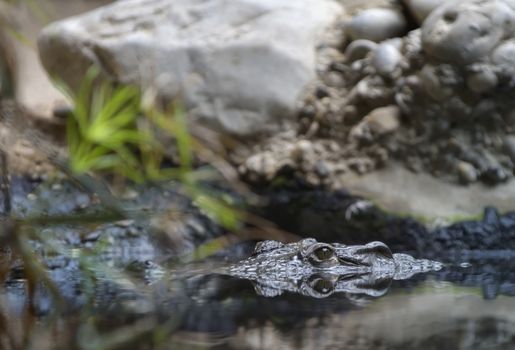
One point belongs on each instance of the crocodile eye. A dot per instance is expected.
(323, 253)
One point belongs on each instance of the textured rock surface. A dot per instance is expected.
(463, 32)
(240, 65)
(451, 138)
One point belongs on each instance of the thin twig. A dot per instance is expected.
(5, 183)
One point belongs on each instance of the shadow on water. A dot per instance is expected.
(468, 304)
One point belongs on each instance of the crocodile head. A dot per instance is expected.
(319, 269)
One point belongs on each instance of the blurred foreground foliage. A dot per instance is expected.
(116, 138)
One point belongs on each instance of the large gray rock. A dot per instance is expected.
(240, 65)
(463, 32)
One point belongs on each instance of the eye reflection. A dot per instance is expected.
(323, 286)
(323, 253)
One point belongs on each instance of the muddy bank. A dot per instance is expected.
(340, 217)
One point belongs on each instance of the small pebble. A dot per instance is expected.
(494, 175)
(377, 24)
(467, 172)
(301, 149)
(509, 146)
(125, 223)
(57, 187)
(133, 194)
(432, 85)
(491, 216)
(386, 58)
(382, 120)
(334, 79)
(321, 169)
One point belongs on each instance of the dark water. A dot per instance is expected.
(103, 304)
(466, 306)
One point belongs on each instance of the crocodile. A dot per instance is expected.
(310, 268)
(318, 269)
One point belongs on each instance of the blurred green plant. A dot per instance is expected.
(102, 128)
(111, 131)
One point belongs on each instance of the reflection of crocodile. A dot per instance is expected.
(319, 269)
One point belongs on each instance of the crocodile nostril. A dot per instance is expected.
(347, 261)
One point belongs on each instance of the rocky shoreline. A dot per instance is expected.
(417, 98)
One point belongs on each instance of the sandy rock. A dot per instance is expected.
(303, 149)
(425, 195)
(420, 9)
(384, 120)
(240, 65)
(376, 24)
(467, 172)
(464, 32)
(386, 58)
(379, 122)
